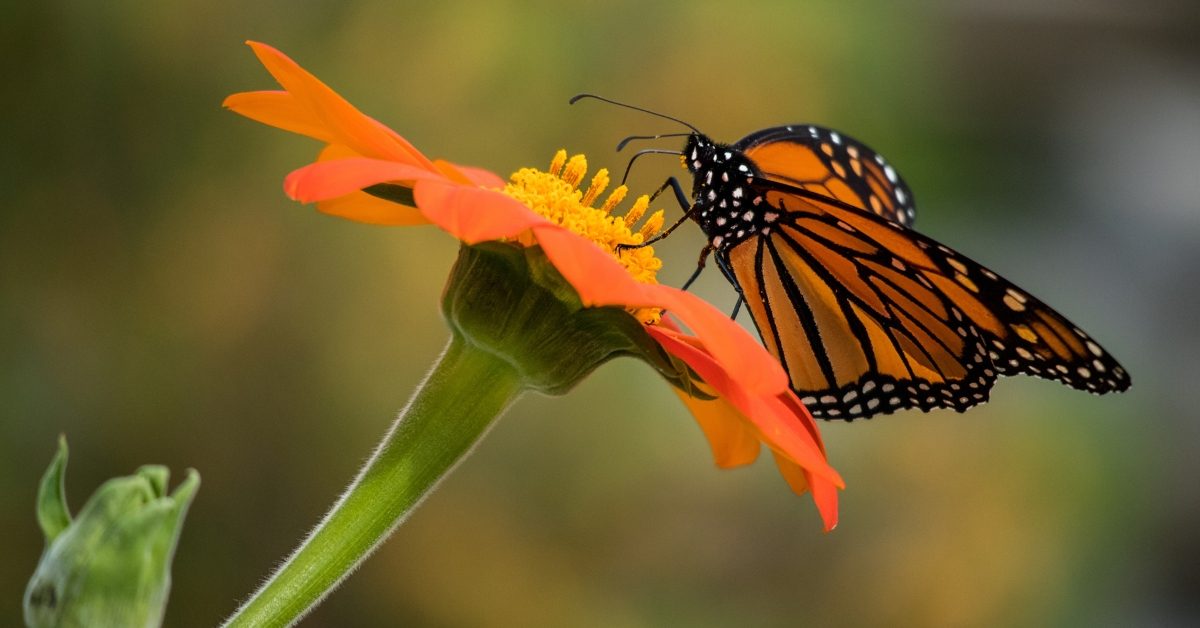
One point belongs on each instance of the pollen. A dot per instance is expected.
(555, 195)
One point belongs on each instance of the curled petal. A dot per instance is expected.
(326, 109)
(825, 496)
(474, 214)
(824, 493)
(326, 180)
(736, 350)
(732, 441)
(597, 277)
(281, 110)
(372, 210)
(468, 174)
(775, 421)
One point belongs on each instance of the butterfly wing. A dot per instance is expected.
(826, 162)
(869, 317)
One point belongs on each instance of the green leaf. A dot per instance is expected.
(52, 513)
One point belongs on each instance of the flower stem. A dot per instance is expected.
(464, 393)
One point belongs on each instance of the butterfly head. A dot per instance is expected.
(697, 152)
(715, 167)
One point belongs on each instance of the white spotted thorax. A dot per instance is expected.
(727, 207)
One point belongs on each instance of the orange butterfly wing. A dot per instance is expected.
(832, 164)
(868, 316)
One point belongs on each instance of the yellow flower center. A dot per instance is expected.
(555, 194)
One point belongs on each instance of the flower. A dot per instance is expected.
(368, 173)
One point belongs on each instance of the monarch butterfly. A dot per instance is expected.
(866, 315)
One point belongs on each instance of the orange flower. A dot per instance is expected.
(750, 402)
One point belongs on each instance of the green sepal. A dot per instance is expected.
(511, 301)
(52, 513)
(110, 566)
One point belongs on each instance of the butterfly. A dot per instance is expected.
(866, 315)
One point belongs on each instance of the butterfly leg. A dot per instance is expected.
(737, 307)
(723, 264)
(680, 195)
(699, 266)
(673, 183)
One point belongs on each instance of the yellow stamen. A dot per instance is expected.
(556, 164)
(637, 211)
(614, 199)
(599, 182)
(652, 225)
(576, 168)
(555, 195)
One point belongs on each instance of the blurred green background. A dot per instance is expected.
(161, 301)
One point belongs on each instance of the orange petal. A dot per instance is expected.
(280, 110)
(474, 214)
(325, 180)
(596, 275)
(329, 110)
(468, 175)
(336, 151)
(807, 421)
(479, 176)
(730, 343)
(824, 494)
(792, 472)
(733, 443)
(362, 207)
(775, 420)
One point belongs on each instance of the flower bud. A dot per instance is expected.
(110, 566)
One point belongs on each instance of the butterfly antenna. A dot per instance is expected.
(629, 139)
(579, 97)
(648, 151)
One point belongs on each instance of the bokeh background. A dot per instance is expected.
(161, 301)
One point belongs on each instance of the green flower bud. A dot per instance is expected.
(110, 566)
(511, 301)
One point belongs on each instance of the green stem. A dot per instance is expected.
(461, 397)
